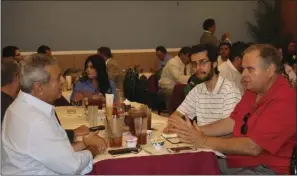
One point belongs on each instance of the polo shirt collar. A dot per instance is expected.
(279, 82)
(217, 88)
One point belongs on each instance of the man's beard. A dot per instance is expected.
(208, 76)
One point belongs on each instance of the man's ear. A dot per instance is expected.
(16, 77)
(37, 87)
(271, 70)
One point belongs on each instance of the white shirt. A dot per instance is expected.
(33, 142)
(173, 73)
(209, 107)
(106, 62)
(220, 61)
(228, 71)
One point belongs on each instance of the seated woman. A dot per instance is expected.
(94, 81)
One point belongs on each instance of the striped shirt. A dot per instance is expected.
(209, 107)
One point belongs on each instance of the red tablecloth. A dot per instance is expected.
(202, 163)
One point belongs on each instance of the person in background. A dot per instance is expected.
(289, 64)
(115, 72)
(177, 71)
(94, 81)
(209, 27)
(12, 51)
(232, 68)
(215, 98)
(291, 49)
(224, 53)
(43, 49)
(263, 124)
(10, 84)
(163, 56)
(33, 142)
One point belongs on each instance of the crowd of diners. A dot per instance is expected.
(240, 100)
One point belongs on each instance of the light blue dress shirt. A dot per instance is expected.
(163, 63)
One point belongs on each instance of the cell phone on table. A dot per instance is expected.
(181, 149)
(97, 128)
(123, 151)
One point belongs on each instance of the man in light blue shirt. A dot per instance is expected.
(33, 142)
(163, 56)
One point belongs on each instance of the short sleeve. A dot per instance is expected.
(188, 105)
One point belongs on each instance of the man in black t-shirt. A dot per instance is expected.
(10, 83)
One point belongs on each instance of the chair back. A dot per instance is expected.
(142, 90)
(293, 165)
(129, 84)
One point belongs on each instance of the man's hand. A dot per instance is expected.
(187, 132)
(225, 36)
(94, 140)
(168, 127)
(81, 131)
(93, 150)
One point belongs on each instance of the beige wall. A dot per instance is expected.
(126, 58)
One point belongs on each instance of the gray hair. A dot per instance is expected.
(33, 70)
(269, 55)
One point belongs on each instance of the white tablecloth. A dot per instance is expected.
(67, 95)
(72, 117)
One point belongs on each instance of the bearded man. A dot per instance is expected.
(216, 97)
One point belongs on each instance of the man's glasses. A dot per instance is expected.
(244, 127)
(200, 63)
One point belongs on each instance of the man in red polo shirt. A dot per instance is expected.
(263, 124)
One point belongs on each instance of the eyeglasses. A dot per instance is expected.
(244, 127)
(200, 63)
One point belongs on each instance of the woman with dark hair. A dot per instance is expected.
(95, 80)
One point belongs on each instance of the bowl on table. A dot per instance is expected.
(158, 143)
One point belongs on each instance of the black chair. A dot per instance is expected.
(293, 165)
(129, 84)
(141, 90)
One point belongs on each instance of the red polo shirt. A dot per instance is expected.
(271, 125)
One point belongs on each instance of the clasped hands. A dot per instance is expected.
(91, 139)
(186, 131)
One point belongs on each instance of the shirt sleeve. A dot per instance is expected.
(275, 125)
(114, 70)
(76, 88)
(113, 89)
(188, 105)
(49, 145)
(230, 101)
